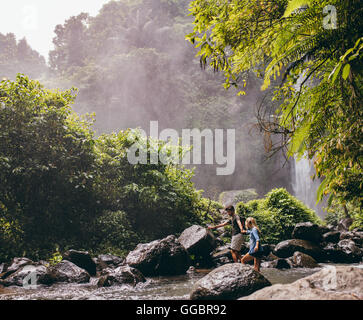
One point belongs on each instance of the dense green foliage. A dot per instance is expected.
(319, 67)
(62, 187)
(277, 214)
(335, 213)
(46, 161)
(132, 65)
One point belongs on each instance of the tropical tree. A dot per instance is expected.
(18, 56)
(310, 52)
(62, 187)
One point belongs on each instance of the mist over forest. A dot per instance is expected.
(100, 187)
(132, 65)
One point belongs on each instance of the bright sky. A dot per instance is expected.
(36, 19)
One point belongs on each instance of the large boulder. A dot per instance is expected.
(287, 248)
(228, 282)
(81, 259)
(21, 277)
(353, 252)
(333, 253)
(198, 241)
(331, 236)
(160, 257)
(356, 236)
(302, 260)
(66, 271)
(345, 251)
(331, 283)
(308, 231)
(15, 265)
(121, 275)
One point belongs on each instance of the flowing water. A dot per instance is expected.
(305, 188)
(160, 288)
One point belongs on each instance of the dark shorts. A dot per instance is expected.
(258, 254)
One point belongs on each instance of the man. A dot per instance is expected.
(237, 229)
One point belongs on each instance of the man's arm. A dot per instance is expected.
(240, 225)
(218, 226)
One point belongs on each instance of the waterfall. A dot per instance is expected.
(304, 186)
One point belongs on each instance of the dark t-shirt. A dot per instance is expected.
(235, 227)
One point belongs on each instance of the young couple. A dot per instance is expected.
(238, 229)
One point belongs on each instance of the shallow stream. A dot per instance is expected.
(159, 288)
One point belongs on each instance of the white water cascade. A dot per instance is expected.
(304, 186)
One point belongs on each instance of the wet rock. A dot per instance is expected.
(346, 251)
(20, 277)
(160, 257)
(192, 270)
(287, 249)
(81, 259)
(222, 248)
(302, 260)
(121, 275)
(356, 236)
(308, 231)
(277, 264)
(331, 283)
(198, 241)
(353, 252)
(15, 265)
(267, 250)
(326, 229)
(270, 257)
(332, 236)
(228, 282)
(344, 224)
(104, 261)
(66, 271)
(333, 253)
(219, 242)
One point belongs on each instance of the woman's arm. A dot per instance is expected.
(240, 226)
(257, 238)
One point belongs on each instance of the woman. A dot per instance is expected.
(256, 251)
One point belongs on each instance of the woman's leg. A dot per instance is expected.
(247, 257)
(257, 264)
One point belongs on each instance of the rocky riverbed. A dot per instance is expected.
(163, 287)
(170, 268)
